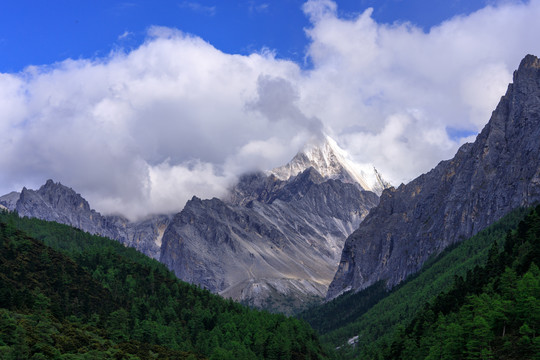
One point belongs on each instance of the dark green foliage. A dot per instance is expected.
(378, 325)
(29, 271)
(77, 296)
(345, 309)
(494, 313)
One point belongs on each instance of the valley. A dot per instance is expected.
(445, 266)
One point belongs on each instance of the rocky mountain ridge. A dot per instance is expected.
(283, 247)
(56, 202)
(459, 197)
(272, 243)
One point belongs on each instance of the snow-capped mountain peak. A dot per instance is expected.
(332, 162)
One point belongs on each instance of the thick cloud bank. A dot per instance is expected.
(143, 131)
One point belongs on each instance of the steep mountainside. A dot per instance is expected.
(485, 180)
(273, 244)
(56, 202)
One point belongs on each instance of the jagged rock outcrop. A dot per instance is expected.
(497, 173)
(255, 186)
(56, 202)
(273, 242)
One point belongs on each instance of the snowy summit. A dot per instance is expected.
(332, 162)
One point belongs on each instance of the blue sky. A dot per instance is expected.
(140, 106)
(34, 32)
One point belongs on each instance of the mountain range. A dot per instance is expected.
(276, 239)
(273, 242)
(56, 202)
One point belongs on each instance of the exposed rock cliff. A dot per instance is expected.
(498, 172)
(273, 242)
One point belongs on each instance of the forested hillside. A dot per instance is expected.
(375, 324)
(66, 294)
(494, 313)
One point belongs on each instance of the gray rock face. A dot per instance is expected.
(9, 201)
(56, 202)
(485, 180)
(144, 235)
(255, 186)
(271, 242)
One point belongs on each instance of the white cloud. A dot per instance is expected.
(366, 75)
(128, 129)
(254, 7)
(277, 100)
(172, 185)
(141, 132)
(318, 10)
(199, 8)
(124, 35)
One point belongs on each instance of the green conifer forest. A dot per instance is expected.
(65, 294)
(408, 321)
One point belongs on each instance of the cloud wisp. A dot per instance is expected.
(140, 132)
(198, 8)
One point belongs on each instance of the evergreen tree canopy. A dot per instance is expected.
(66, 294)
